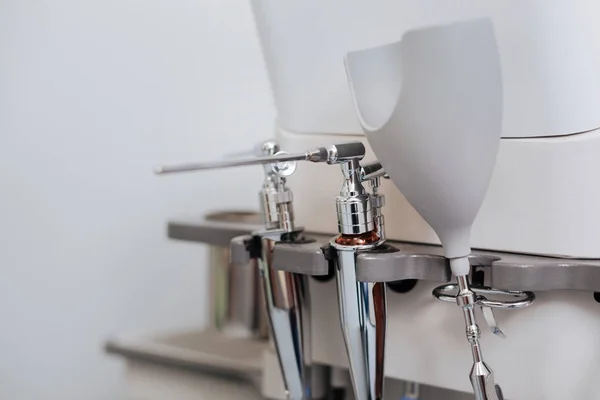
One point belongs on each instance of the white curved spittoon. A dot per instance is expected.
(431, 108)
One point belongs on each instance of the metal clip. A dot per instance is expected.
(447, 293)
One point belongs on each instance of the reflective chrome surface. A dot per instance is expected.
(286, 293)
(288, 305)
(363, 320)
(447, 293)
(353, 205)
(362, 305)
(377, 202)
(372, 170)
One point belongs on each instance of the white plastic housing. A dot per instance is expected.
(549, 52)
(451, 74)
(542, 197)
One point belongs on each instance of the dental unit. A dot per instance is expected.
(476, 125)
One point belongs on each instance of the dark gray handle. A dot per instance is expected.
(347, 151)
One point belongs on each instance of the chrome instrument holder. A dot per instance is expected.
(467, 297)
(285, 293)
(362, 305)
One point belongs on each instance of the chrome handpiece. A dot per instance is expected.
(362, 305)
(286, 294)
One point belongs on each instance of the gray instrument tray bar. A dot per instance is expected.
(216, 233)
(411, 261)
(305, 258)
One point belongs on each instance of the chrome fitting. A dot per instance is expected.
(275, 199)
(466, 299)
(473, 333)
(377, 201)
(353, 205)
(355, 214)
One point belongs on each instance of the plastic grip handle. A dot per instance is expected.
(348, 151)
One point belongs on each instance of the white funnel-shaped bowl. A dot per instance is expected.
(431, 107)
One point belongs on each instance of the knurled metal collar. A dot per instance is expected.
(354, 214)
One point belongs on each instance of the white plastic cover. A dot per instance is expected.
(549, 51)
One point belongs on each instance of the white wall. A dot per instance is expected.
(93, 94)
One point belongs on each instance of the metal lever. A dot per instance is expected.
(333, 155)
(362, 305)
(488, 315)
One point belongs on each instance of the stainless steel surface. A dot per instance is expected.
(377, 202)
